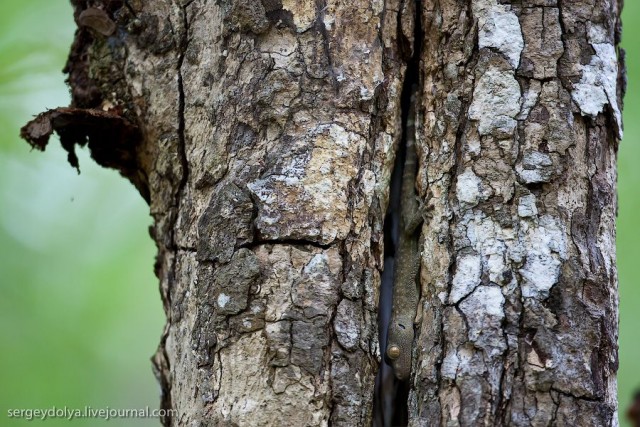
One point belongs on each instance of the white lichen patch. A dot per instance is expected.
(484, 310)
(493, 242)
(499, 28)
(530, 98)
(545, 247)
(223, 300)
(328, 20)
(456, 360)
(496, 103)
(535, 167)
(450, 363)
(466, 278)
(347, 324)
(488, 299)
(527, 206)
(468, 188)
(597, 86)
(540, 246)
(473, 146)
(308, 197)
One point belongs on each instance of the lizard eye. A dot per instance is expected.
(401, 326)
(393, 352)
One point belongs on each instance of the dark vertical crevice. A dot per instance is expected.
(184, 41)
(391, 400)
(161, 359)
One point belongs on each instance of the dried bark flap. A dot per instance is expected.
(112, 139)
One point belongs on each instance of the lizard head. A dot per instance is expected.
(399, 343)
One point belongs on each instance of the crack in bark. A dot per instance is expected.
(287, 242)
(411, 82)
(453, 65)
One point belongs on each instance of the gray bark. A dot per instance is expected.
(265, 137)
(521, 120)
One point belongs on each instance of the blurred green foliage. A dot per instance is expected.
(628, 240)
(80, 312)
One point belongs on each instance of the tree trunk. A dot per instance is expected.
(264, 134)
(521, 120)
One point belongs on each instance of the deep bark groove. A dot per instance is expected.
(393, 394)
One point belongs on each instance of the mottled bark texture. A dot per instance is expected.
(519, 127)
(267, 135)
(263, 134)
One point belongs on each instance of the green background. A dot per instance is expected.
(80, 312)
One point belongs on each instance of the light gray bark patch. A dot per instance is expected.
(545, 247)
(250, 396)
(550, 125)
(225, 291)
(498, 28)
(285, 377)
(225, 224)
(301, 291)
(527, 206)
(466, 277)
(347, 324)
(468, 189)
(304, 192)
(598, 84)
(484, 310)
(530, 98)
(473, 406)
(496, 102)
(353, 285)
(315, 293)
(535, 167)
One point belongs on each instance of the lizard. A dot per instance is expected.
(407, 261)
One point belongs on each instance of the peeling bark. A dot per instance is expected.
(264, 137)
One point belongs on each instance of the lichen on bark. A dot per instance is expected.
(263, 135)
(509, 336)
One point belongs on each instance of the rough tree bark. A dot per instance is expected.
(263, 135)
